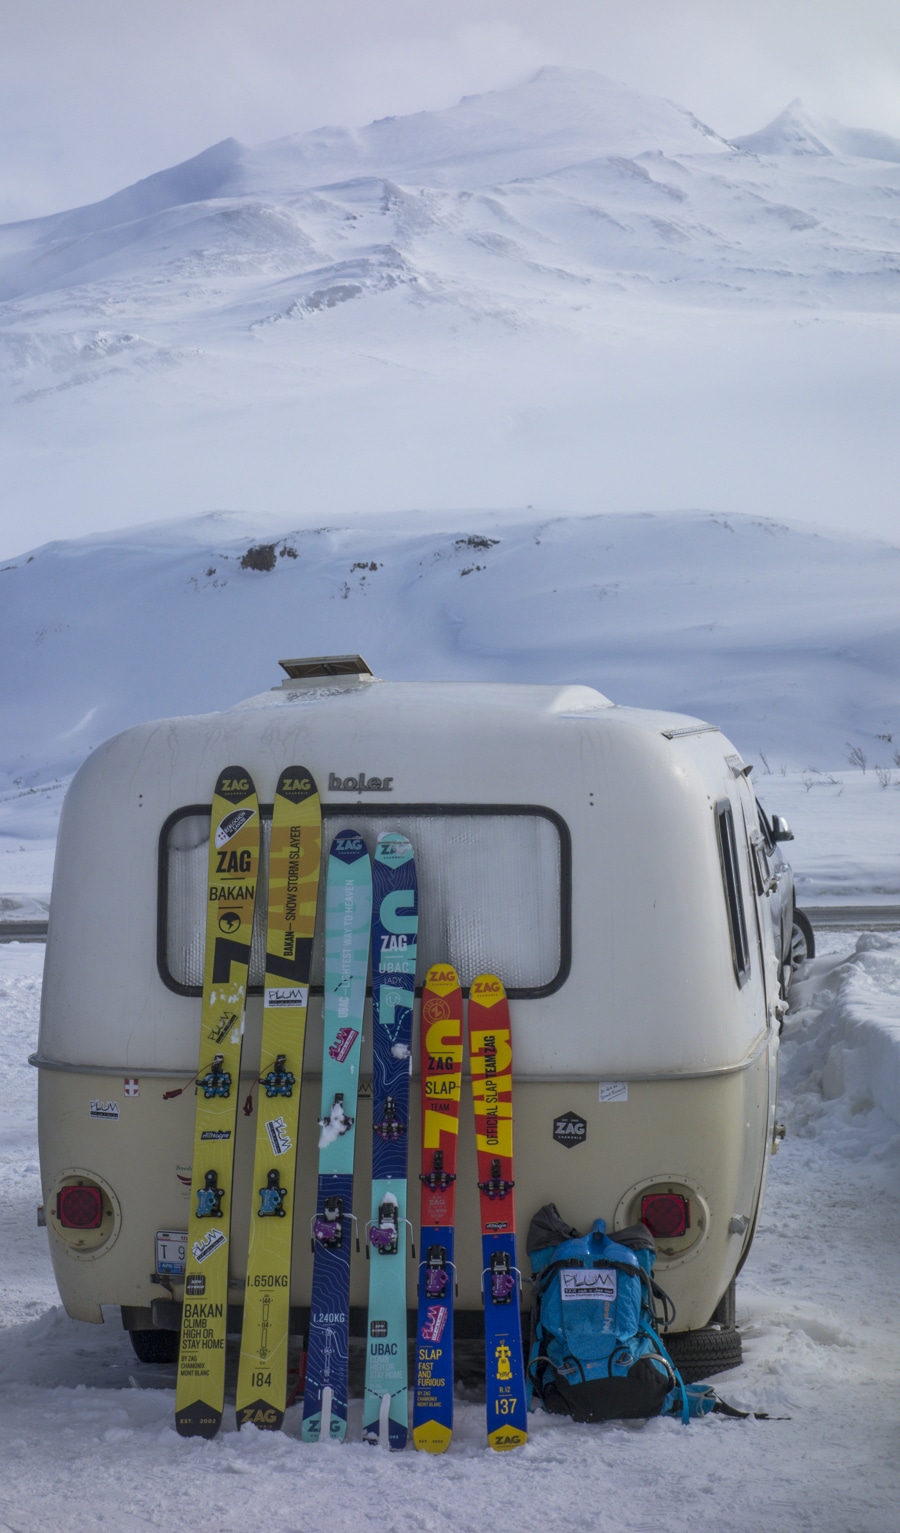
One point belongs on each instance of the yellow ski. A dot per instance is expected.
(294, 859)
(231, 896)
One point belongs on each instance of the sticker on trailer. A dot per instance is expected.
(570, 1129)
(132, 1086)
(588, 1283)
(107, 1110)
(171, 1252)
(613, 1091)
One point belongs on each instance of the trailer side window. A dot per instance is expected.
(494, 892)
(734, 898)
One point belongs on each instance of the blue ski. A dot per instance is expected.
(348, 917)
(395, 923)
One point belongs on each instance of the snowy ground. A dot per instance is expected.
(88, 1435)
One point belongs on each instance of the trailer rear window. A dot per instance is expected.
(494, 892)
(734, 898)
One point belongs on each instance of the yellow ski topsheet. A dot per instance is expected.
(294, 859)
(231, 894)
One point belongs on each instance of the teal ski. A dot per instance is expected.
(348, 919)
(395, 923)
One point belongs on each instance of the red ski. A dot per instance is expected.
(441, 1080)
(490, 1051)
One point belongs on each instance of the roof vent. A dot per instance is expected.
(326, 667)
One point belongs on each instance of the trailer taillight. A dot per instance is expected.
(666, 1214)
(80, 1208)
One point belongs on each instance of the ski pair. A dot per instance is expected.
(490, 1056)
(386, 891)
(294, 860)
(349, 918)
(233, 874)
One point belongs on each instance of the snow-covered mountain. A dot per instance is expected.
(786, 639)
(562, 294)
(796, 130)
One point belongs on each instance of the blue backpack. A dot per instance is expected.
(596, 1354)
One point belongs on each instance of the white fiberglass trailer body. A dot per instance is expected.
(604, 861)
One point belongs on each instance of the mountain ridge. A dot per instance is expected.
(654, 611)
(582, 300)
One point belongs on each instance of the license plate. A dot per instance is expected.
(171, 1251)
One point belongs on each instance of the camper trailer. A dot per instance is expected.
(604, 861)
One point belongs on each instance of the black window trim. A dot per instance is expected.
(351, 812)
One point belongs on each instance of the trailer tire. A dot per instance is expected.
(699, 1354)
(155, 1346)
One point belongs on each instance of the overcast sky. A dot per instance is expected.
(95, 94)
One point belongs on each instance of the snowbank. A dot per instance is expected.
(842, 1049)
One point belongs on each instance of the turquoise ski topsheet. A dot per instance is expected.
(394, 932)
(348, 917)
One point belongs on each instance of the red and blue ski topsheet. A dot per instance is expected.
(348, 920)
(442, 1018)
(490, 1054)
(395, 921)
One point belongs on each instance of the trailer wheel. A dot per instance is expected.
(698, 1354)
(155, 1346)
(803, 942)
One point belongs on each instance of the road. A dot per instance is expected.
(851, 918)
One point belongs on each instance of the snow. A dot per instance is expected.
(798, 131)
(88, 1431)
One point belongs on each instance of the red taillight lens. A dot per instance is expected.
(80, 1208)
(666, 1214)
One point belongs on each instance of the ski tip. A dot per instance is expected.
(504, 1438)
(432, 1437)
(393, 849)
(442, 979)
(234, 784)
(487, 990)
(349, 847)
(296, 784)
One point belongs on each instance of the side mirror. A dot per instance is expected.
(781, 830)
